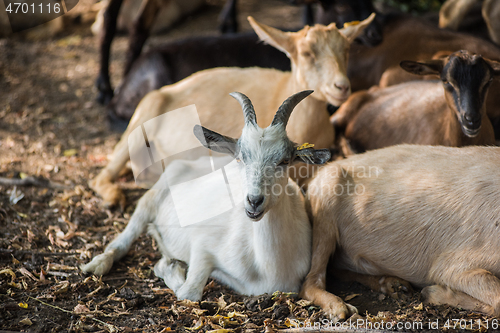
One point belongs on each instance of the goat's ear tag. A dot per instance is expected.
(349, 24)
(305, 145)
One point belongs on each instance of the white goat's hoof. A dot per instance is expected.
(100, 265)
(186, 292)
(173, 273)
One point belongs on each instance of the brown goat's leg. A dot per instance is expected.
(344, 146)
(313, 288)
(228, 18)
(389, 285)
(491, 15)
(140, 30)
(103, 183)
(349, 110)
(476, 290)
(103, 82)
(441, 295)
(453, 12)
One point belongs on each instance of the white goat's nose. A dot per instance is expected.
(255, 200)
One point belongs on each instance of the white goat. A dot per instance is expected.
(319, 59)
(250, 257)
(427, 214)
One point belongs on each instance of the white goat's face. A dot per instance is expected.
(264, 154)
(319, 56)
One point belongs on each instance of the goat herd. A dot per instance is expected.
(415, 201)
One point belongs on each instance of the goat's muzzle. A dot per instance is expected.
(471, 126)
(255, 207)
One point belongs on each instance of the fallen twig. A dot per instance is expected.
(32, 181)
(46, 254)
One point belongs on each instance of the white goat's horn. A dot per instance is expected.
(285, 110)
(246, 105)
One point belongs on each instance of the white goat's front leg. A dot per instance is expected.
(199, 270)
(119, 247)
(173, 272)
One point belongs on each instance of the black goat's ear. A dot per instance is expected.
(495, 65)
(215, 141)
(313, 156)
(430, 67)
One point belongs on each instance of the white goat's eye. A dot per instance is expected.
(238, 160)
(284, 162)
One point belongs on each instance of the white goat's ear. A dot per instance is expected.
(215, 141)
(430, 67)
(283, 41)
(351, 31)
(495, 65)
(313, 156)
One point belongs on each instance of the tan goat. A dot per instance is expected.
(319, 59)
(427, 214)
(450, 112)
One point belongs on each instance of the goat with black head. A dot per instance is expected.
(418, 112)
(466, 78)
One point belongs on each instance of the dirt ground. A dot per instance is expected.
(51, 127)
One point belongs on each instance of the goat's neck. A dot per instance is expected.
(309, 121)
(276, 232)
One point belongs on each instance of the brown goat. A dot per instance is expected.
(453, 12)
(418, 112)
(408, 38)
(396, 75)
(427, 214)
